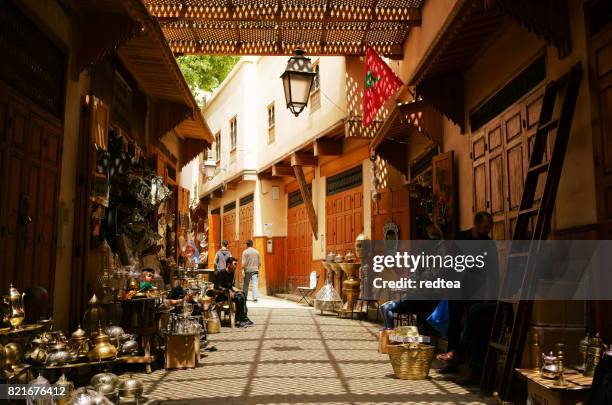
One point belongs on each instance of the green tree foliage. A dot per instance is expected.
(204, 73)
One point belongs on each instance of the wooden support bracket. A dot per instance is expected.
(303, 159)
(282, 170)
(329, 147)
(312, 215)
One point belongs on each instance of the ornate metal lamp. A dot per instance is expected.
(297, 81)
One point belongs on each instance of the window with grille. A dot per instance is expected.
(218, 146)
(315, 91)
(271, 123)
(233, 133)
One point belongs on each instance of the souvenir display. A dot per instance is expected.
(69, 387)
(595, 350)
(131, 388)
(102, 348)
(16, 313)
(94, 316)
(327, 298)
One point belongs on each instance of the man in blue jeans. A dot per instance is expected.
(250, 266)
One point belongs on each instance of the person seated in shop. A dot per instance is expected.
(181, 294)
(426, 230)
(224, 290)
(468, 340)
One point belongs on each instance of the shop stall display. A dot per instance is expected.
(327, 298)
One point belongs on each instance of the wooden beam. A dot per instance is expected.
(310, 211)
(303, 159)
(282, 170)
(329, 147)
(216, 194)
(265, 176)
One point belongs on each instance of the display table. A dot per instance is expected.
(182, 351)
(543, 391)
(24, 333)
(140, 317)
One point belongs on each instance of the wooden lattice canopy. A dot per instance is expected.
(277, 27)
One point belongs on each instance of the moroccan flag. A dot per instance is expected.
(380, 84)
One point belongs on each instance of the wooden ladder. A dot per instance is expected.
(508, 335)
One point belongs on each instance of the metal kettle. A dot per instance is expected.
(102, 349)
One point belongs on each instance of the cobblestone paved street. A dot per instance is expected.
(294, 356)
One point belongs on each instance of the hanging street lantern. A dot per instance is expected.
(208, 168)
(297, 81)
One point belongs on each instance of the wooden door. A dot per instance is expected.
(601, 66)
(13, 218)
(229, 231)
(600, 56)
(344, 219)
(394, 204)
(30, 161)
(299, 247)
(500, 157)
(214, 238)
(245, 230)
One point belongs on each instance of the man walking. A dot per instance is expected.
(250, 266)
(221, 257)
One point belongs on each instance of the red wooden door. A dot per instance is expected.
(344, 219)
(394, 204)
(245, 232)
(229, 232)
(299, 247)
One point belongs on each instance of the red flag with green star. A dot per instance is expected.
(380, 84)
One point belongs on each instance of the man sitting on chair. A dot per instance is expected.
(224, 289)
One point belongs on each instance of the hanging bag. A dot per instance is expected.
(439, 317)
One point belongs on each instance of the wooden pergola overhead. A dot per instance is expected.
(277, 27)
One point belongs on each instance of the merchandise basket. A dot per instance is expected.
(411, 361)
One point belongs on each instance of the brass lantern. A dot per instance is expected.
(297, 81)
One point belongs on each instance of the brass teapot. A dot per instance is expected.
(36, 353)
(103, 349)
(79, 342)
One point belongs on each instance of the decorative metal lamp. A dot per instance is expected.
(297, 81)
(208, 168)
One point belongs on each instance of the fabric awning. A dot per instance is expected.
(392, 141)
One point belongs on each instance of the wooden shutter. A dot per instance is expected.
(444, 191)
